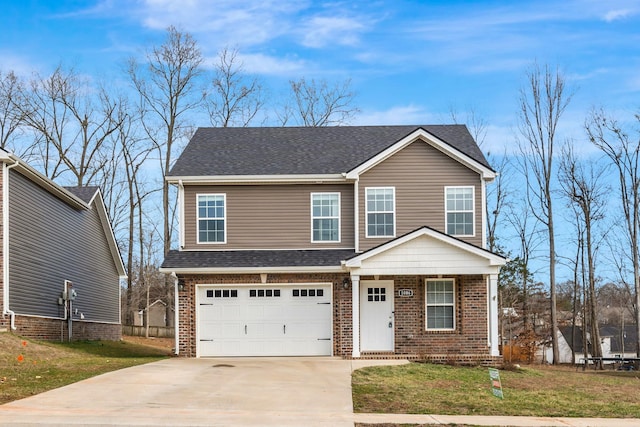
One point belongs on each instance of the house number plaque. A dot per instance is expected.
(405, 292)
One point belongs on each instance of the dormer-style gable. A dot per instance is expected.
(474, 161)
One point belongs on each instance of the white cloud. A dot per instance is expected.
(241, 22)
(614, 15)
(19, 65)
(398, 115)
(321, 31)
(259, 63)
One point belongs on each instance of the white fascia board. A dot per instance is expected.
(437, 143)
(256, 179)
(98, 200)
(41, 180)
(494, 260)
(251, 270)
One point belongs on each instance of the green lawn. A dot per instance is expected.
(30, 367)
(419, 388)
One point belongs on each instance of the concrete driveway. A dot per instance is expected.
(200, 392)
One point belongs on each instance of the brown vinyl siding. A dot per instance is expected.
(268, 216)
(419, 174)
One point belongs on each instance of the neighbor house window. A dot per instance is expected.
(381, 212)
(212, 218)
(459, 211)
(325, 217)
(440, 304)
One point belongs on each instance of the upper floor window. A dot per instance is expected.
(325, 217)
(440, 304)
(381, 212)
(212, 218)
(459, 211)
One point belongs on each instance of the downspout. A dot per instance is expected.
(181, 213)
(356, 214)
(176, 326)
(483, 213)
(5, 243)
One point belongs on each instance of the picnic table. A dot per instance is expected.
(620, 363)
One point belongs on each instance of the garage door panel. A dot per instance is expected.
(275, 321)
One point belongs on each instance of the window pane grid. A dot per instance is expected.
(211, 218)
(325, 212)
(380, 212)
(440, 304)
(459, 207)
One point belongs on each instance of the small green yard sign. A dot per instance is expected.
(496, 385)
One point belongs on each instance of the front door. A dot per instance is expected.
(376, 315)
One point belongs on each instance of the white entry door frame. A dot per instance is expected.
(377, 322)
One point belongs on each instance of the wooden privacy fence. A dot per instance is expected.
(154, 331)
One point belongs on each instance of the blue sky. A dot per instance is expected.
(409, 61)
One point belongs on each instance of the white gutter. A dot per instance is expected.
(256, 270)
(5, 242)
(257, 179)
(176, 326)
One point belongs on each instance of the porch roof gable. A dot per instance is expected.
(425, 251)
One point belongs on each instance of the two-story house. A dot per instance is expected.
(349, 241)
(60, 267)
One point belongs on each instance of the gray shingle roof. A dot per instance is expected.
(250, 258)
(302, 150)
(83, 193)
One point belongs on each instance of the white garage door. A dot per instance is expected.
(264, 320)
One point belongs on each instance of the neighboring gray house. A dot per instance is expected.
(350, 241)
(615, 342)
(60, 267)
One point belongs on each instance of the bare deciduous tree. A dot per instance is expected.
(234, 98)
(133, 153)
(542, 102)
(167, 85)
(497, 192)
(527, 236)
(623, 153)
(73, 121)
(317, 103)
(585, 190)
(11, 115)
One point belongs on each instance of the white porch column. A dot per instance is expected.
(355, 318)
(492, 292)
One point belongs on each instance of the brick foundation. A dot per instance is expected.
(56, 330)
(467, 344)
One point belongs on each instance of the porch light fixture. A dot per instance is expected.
(345, 283)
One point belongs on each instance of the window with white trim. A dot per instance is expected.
(325, 217)
(440, 295)
(459, 208)
(380, 212)
(212, 215)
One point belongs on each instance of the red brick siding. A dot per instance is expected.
(467, 342)
(470, 334)
(4, 319)
(57, 330)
